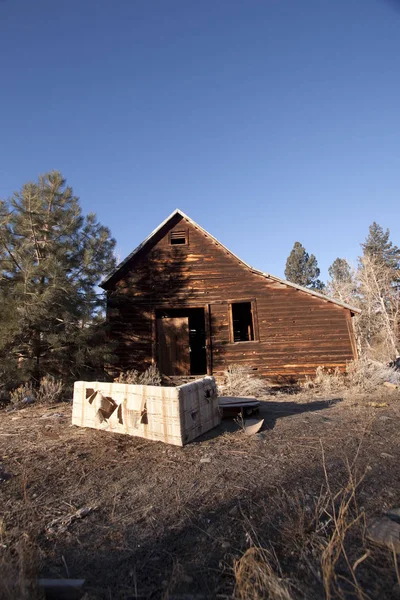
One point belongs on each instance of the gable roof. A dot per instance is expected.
(178, 212)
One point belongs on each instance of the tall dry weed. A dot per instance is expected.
(21, 394)
(151, 376)
(321, 537)
(362, 376)
(338, 570)
(366, 375)
(257, 579)
(240, 380)
(328, 382)
(19, 571)
(50, 390)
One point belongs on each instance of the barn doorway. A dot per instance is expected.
(181, 341)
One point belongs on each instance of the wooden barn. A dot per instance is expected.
(183, 301)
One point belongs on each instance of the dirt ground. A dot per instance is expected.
(169, 522)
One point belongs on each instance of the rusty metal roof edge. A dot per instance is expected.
(177, 211)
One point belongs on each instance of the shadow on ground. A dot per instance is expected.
(168, 523)
(194, 560)
(271, 411)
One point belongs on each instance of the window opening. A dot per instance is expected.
(242, 322)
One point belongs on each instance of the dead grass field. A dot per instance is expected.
(226, 516)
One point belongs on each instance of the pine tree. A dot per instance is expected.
(301, 268)
(10, 373)
(342, 284)
(51, 260)
(379, 291)
(340, 270)
(378, 246)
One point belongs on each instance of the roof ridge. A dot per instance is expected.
(180, 212)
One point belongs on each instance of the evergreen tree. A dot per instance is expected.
(301, 268)
(379, 291)
(340, 271)
(342, 284)
(378, 246)
(51, 260)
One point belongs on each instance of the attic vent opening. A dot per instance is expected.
(178, 238)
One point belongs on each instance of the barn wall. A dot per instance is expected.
(297, 331)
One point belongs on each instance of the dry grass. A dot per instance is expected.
(266, 516)
(328, 382)
(151, 376)
(240, 381)
(50, 390)
(365, 375)
(19, 394)
(324, 539)
(257, 579)
(130, 376)
(19, 557)
(362, 377)
(344, 515)
(18, 572)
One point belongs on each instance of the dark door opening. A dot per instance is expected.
(181, 341)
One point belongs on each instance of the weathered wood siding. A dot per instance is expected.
(295, 332)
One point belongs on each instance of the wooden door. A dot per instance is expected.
(173, 345)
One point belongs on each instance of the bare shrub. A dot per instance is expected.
(240, 381)
(362, 376)
(366, 375)
(377, 327)
(129, 376)
(18, 572)
(50, 390)
(22, 394)
(256, 578)
(328, 382)
(373, 288)
(150, 376)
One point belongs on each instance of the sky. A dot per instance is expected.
(266, 121)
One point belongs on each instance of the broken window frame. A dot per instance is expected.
(253, 308)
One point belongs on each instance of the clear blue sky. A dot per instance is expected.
(267, 121)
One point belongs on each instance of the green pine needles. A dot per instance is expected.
(302, 268)
(52, 258)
